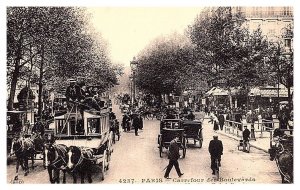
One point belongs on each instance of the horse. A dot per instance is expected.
(23, 148)
(284, 162)
(56, 160)
(80, 160)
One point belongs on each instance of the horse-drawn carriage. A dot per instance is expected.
(281, 151)
(89, 139)
(169, 129)
(193, 130)
(15, 122)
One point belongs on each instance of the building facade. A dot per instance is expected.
(271, 20)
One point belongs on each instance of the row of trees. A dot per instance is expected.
(48, 45)
(217, 49)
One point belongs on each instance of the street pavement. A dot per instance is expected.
(140, 161)
(136, 160)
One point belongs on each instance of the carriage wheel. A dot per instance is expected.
(160, 147)
(110, 142)
(118, 136)
(103, 167)
(114, 138)
(200, 143)
(200, 138)
(184, 148)
(108, 160)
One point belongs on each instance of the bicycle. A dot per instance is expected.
(246, 146)
(216, 168)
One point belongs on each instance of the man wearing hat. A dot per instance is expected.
(215, 149)
(246, 137)
(135, 123)
(190, 115)
(73, 92)
(173, 156)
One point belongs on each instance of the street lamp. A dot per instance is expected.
(288, 53)
(251, 99)
(130, 83)
(133, 65)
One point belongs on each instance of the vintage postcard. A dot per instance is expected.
(149, 95)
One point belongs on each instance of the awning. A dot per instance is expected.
(270, 92)
(215, 91)
(274, 93)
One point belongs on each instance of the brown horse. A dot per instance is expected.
(24, 149)
(284, 162)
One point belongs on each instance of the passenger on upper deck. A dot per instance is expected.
(190, 115)
(73, 93)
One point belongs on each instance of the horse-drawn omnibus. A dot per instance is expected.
(89, 132)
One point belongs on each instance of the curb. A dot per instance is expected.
(236, 139)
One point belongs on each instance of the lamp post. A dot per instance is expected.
(133, 65)
(130, 84)
(288, 53)
(251, 99)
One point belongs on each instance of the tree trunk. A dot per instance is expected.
(15, 77)
(230, 98)
(13, 87)
(40, 102)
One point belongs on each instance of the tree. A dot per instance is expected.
(230, 56)
(281, 66)
(52, 44)
(164, 65)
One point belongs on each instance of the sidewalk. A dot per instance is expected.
(260, 143)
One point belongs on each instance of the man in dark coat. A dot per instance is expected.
(136, 123)
(73, 91)
(246, 138)
(173, 156)
(190, 116)
(221, 121)
(216, 150)
(39, 128)
(141, 125)
(238, 119)
(125, 122)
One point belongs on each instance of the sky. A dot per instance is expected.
(129, 30)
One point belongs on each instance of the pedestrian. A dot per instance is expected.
(238, 120)
(246, 138)
(141, 124)
(125, 122)
(221, 119)
(190, 115)
(206, 110)
(283, 120)
(135, 123)
(173, 156)
(291, 122)
(215, 149)
(214, 120)
(73, 92)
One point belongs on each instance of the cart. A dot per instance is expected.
(169, 129)
(193, 130)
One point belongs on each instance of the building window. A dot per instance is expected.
(287, 11)
(270, 11)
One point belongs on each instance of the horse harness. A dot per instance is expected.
(89, 156)
(26, 144)
(58, 157)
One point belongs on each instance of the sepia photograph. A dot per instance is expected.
(149, 95)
